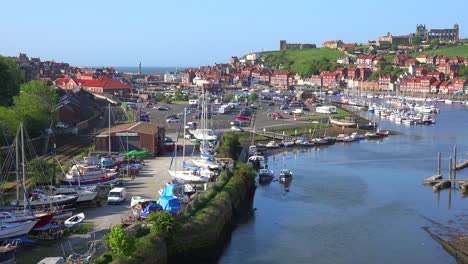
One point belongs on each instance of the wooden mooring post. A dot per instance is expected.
(454, 164)
(438, 163)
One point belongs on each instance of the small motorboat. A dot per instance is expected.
(75, 220)
(265, 175)
(272, 145)
(288, 144)
(285, 174)
(382, 133)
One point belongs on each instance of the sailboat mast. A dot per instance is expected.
(183, 127)
(109, 130)
(23, 161)
(17, 166)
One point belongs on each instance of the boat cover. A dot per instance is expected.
(136, 153)
(151, 207)
(185, 165)
(167, 199)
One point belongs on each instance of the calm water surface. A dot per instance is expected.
(360, 202)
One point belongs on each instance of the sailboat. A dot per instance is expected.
(191, 173)
(204, 133)
(37, 197)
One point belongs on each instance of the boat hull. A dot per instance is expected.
(17, 229)
(96, 181)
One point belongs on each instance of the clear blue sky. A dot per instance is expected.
(201, 32)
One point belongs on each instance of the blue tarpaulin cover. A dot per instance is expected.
(151, 207)
(185, 165)
(168, 201)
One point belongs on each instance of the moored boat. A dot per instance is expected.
(265, 175)
(285, 174)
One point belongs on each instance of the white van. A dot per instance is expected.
(117, 196)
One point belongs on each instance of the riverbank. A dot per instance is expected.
(201, 233)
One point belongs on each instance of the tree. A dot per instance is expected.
(10, 79)
(121, 244)
(463, 72)
(394, 47)
(38, 170)
(252, 97)
(435, 42)
(179, 95)
(416, 40)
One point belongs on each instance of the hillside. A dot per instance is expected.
(461, 50)
(303, 61)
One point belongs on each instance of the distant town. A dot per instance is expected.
(392, 63)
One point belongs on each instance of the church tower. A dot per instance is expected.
(456, 31)
(139, 68)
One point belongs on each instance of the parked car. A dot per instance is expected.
(276, 115)
(162, 108)
(284, 107)
(236, 128)
(271, 104)
(172, 120)
(242, 118)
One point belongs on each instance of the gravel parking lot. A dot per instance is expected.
(221, 121)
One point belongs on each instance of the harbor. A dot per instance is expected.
(360, 192)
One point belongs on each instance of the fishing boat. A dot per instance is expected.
(74, 220)
(285, 174)
(9, 230)
(288, 143)
(85, 175)
(265, 175)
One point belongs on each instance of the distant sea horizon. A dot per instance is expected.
(148, 70)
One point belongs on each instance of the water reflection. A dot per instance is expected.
(357, 203)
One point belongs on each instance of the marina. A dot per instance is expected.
(374, 184)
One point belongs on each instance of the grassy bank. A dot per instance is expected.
(460, 50)
(301, 61)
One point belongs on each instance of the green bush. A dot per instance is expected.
(229, 145)
(103, 259)
(121, 244)
(163, 223)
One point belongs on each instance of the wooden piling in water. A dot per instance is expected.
(438, 164)
(450, 168)
(455, 162)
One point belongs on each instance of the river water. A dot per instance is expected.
(360, 202)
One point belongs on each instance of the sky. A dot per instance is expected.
(203, 32)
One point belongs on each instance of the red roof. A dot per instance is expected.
(104, 82)
(436, 83)
(61, 81)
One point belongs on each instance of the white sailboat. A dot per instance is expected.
(192, 174)
(38, 197)
(9, 230)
